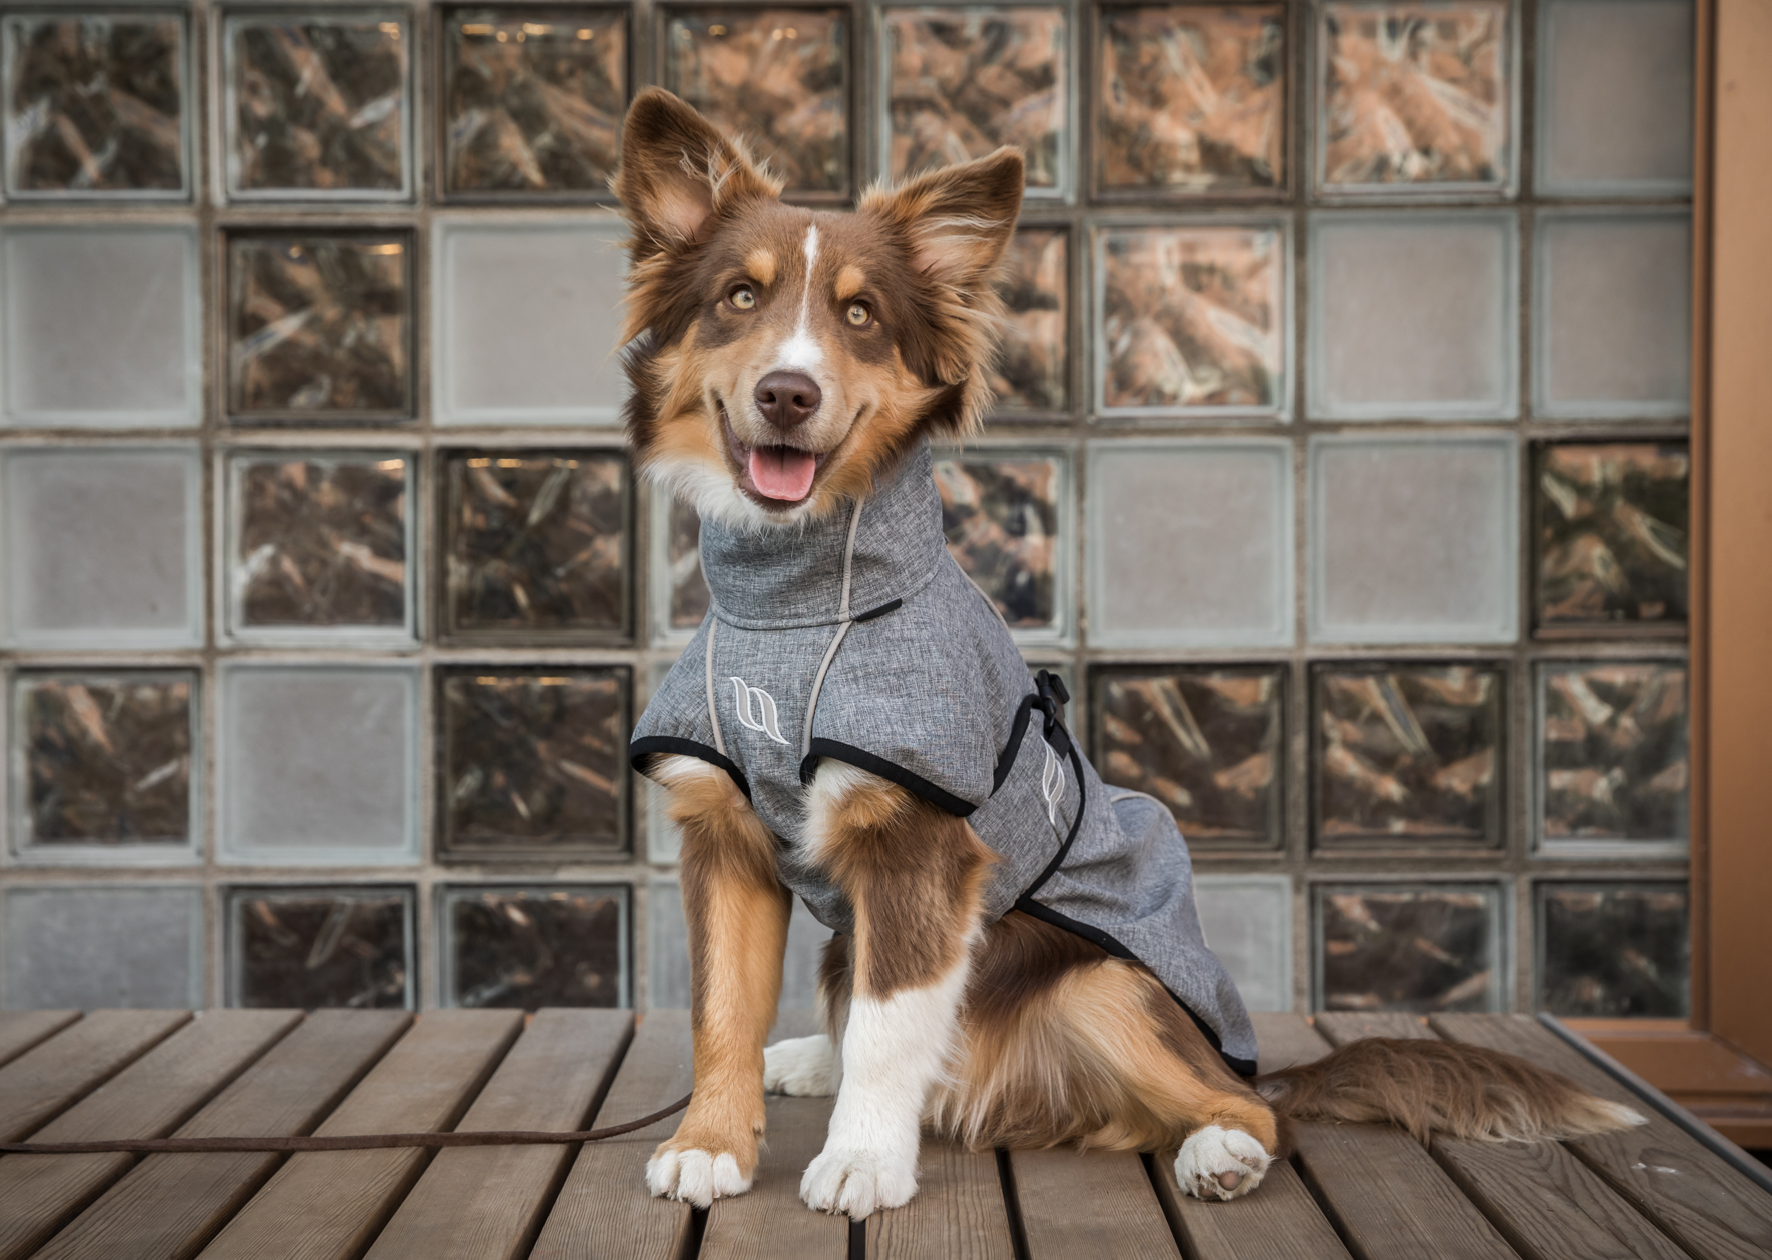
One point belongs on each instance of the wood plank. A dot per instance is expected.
(150, 1098)
(603, 1209)
(958, 1212)
(771, 1220)
(1387, 1198)
(1278, 1220)
(42, 1083)
(487, 1202)
(1549, 1204)
(1089, 1205)
(20, 1030)
(1659, 1168)
(1341, 1027)
(171, 1205)
(326, 1204)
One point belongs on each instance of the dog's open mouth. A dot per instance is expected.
(775, 476)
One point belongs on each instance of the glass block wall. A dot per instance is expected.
(1341, 466)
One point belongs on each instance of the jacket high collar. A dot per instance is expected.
(838, 568)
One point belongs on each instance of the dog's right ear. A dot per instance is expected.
(679, 174)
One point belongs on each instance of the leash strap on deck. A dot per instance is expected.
(352, 1142)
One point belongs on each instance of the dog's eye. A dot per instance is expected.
(742, 297)
(858, 314)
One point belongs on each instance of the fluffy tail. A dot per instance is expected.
(1442, 1087)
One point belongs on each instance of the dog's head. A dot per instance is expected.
(781, 357)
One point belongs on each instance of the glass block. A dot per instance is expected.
(1248, 924)
(1408, 754)
(102, 765)
(316, 104)
(1005, 517)
(535, 99)
(534, 761)
(1223, 575)
(1422, 949)
(777, 77)
(959, 82)
(1610, 951)
(1192, 99)
(1193, 321)
(1613, 303)
(101, 547)
(95, 106)
(320, 327)
(1412, 316)
(664, 841)
(95, 946)
(1615, 97)
(667, 938)
(317, 764)
(689, 596)
(77, 351)
(318, 547)
(1034, 362)
(1207, 741)
(1613, 752)
(1415, 96)
(1611, 522)
(537, 544)
(667, 947)
(304, 948)
(526, 319)
(562, 945)
(1413, 540)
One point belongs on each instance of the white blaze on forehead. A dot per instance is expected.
(801, 350)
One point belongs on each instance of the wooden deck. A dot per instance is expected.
(1657, 1193)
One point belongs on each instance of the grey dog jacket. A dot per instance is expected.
(858, 638)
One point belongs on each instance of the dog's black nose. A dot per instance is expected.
(788, 399)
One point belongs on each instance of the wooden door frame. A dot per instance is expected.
(1732, 541)
(1714, 1062)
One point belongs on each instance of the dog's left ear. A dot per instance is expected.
(958, 220)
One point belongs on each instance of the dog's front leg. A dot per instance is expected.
(737, 911)
(913, 875)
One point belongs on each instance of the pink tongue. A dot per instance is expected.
(781, 472)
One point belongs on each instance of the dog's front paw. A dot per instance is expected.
(858, 1182)
(1218, 1163)
(805, 1067)
(698, 1176)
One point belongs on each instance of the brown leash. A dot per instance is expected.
(353, 1142)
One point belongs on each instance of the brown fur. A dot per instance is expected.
(1066, 1044)
(1441, 1087)
(737, 914)
(913, 873)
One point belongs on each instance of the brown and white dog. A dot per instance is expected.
(781, 360)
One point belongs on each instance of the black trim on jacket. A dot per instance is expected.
(651, 745)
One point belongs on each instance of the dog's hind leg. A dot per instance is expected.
(1065, 1044)
(1177, 1089)
(737, 912)
(913, 874)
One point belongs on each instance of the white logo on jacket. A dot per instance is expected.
(1051, 783)
(744, 694)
